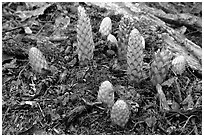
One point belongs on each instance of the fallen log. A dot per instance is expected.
(149, 26)
(183, 19)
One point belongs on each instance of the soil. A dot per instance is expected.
(63, 100)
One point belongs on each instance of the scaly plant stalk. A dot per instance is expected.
(120, 113)
(160, 66)
(106, 94)
(105, 26)
(135, 56)
(37, 60)
(85, 45)
(125, 27)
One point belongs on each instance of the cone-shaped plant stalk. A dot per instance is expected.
(85, 43)
(160, 66)
(125, 27)
(112, 39)
(106, 94)
(37, 60)
(105, 27)
(135, 56)
(178, 64)
(120, 113)
(159, 69)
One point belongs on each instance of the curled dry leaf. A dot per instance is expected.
(162, 98)
(188, 103)
(151, 121)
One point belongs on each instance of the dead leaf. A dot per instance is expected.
(175, 106)
(28, 14)
(188, 103)
(169, 82)
(198, 102)
(62, 22)
(31, 103)
(6, 58)
(151, 121)
(27, 30)
(31, 5)
(63, 75)
(10, 65)
(162, 99)
(65, 100)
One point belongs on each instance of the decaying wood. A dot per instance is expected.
(146, 21)
(190, 21)
(192, 60)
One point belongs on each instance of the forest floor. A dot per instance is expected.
(63, 102)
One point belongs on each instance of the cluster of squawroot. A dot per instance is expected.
(119, 110)
(130, 46)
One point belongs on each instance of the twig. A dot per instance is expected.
(47, 90)
(20, 75)
(39, 30)
(178, 90)
(5, 114)
(56, 125)
(190, 33)
(41, 110)
(91, 104)
(4, 31)
(183, 128)
(191, 72)
(43, 27)
(191, 131)
(139, 122)
(175, 113)
(195, 127)
(22, 71)
(162, 129)
(13, 11)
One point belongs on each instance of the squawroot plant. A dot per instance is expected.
(112, 39)
(160, 66)
(105, 27)
(85, 42)
(125, 27)
(120, 113)
(179, 64)
(37, 60)
(119, 110)
(135, 56)
(159, 69)
(106, 94)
